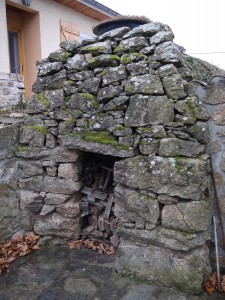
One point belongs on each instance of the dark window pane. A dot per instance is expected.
(14, 52)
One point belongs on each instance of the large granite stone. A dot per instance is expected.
(173, 86)
(77, 62)
(145, 85)
(110, 75)
(164, 237)
(183, 177)
(77, 142)
(50, 184)
(149, 110)
(132, 206)
(58, 225)
(134, 44)
(98, 48)
(192, 216)
(184, 271)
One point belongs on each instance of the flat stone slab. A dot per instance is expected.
(61, 273)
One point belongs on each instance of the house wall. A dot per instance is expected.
(50, 14)
(4, 59)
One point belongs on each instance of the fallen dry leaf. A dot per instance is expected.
(211, 283)
(94, 245)
(16, 247)
(223, 284)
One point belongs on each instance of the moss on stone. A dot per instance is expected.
(125, 60)
(71, 121)
(94, 48)
(178, 165)
(43, 100)
(40, 129)
(115, 57)
(3, 190)
(87, 96)
(21, 149)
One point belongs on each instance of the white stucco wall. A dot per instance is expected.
(50, 14)
(4, 57)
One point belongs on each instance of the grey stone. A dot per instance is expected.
(149, 146)
(148, 29)
(9, 137)
(50, 141)
(165, 199)
(82, 286)
(66, 127)
(132, 206)
(46, 209)
(77, 62)
(218, 116)
(168, 53)
(111, 75)
(69, 171)
(56, 98)
(77, 142)
(53, 82)
(161, 36)
(133, 57)
(59, 55)
(173, 86)
(200, 132)
(122, 131)
(57, 154)
(30, 168)
(108, 93)
(174, 147)
(215, 96)
(51, 171)
(115, 33)
(53, 199)
(90, 85)
(80, 76)
(58, 225)
(50, 184)
(186, 120)
(33, 135)
(27, 197)
(166, 70)
(104, 60)
(155, 131)
(185, 178)
(192, 216)
(116, 103)
(83, 102)
(127, 140)
(51, 123)
(148, 50)
(191, 106)
(49, 68)
(182, 271)
(164, 237)
(98, 48)
(70, 208)
(102, 123)
(149, 110)
(144, 84)
(134, 44)
(138, 68)
(71, 46)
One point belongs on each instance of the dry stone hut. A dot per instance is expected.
(113, 148)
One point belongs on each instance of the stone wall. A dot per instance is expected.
(11, 86)
(126, 94)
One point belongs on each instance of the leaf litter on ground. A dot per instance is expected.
(16, 247)
(94, 245)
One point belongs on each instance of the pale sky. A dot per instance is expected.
(198, 25)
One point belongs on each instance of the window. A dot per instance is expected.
(14, 52)
(69, 31)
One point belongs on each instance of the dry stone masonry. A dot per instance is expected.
(127, 95)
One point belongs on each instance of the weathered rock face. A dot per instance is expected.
(125, 94)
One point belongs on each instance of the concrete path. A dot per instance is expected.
(58, 273)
